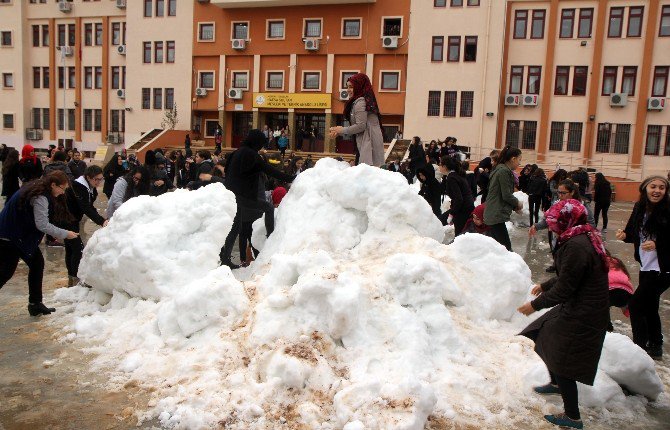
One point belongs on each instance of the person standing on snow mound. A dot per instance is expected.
(363, 114)
(569, 338)
(243, 171)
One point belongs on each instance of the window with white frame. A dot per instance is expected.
(206, 32)
(275, 29)
(241, 80)
(344, 77)
(6, 38)
(206, 80)
(311, 81)
(8, 120)
(274, 80)
(351, 28)
(392, 26)
(390, 81)
(240, 30)
(8, 80)
(312, 27)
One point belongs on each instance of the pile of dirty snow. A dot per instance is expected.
(354, 316)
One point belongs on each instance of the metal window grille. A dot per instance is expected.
(241, 31)
(467, 101)
(529, 134)
(276, 29)
(434, 103)
(512, 134)
(352, 28)
(450, 103)
(653, 143)
(575, 137)
(313, 29)
(622, 139)
(556, 136)
(240, 80)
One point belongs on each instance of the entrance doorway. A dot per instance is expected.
(242, 123)
(312, 128)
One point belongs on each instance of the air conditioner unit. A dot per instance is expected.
(512, 100)
(67, 51)
(530, 99)
(618, 99)
(201, 92)
(235, 93)
(113, 138)
(239, 44)
(33, 134)
(344, 95)
(121, 4)
(390, 42)
(121, 93)
(312, 44)
(656, 103)
(121, 49)
(64, 6)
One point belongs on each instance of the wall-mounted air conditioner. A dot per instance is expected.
(530, 99)
(312, 44)
(235, 93)
(656, 103)
(618, 99)
(64, 6)
(512, 99)
(121, 4)
(121, 93)
(239, 44)
(344, 95)
(201, 92)
(121, 49)
(390, 42)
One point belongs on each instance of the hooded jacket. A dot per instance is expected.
(245, 165)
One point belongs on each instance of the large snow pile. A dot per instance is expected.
(354, 316)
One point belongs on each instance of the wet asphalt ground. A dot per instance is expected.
(46, 383)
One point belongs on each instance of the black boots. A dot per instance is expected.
(655, 351)
(39, 309)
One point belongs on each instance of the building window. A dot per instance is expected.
(8, 120)
(437, 49)
(275, 29)
(574, 137)
(664, 27)
(516, 80)
(454, 48)
(88, 34)
(172, 7)
(116, 33)
(534, 77)
(667, 142)
(585, 23)
(88, 78)
(98, 78)
(36, 117)
(71, 78)
(36, 35)
(616, 22)
(241, 80)
(158, 52)
(45, 35)
(556, 136)
(158, 98)
(529, 135)
(653, 144)
(98, 34)
(467, 102)
(116, 77)
(604, 137)
(450, 104)
(660, 85)
(351, 27)
(148, 8)
(169, 98)
(567, 23)
(512, 133)
(170, 51)
(579, 80)
(473, 2)
(70, 120)
(562, 80)
(622, 138)
(146, 98)
(609, 80)
(470, 48)
(434, 103)
(46, 122)
(206, 80)
(61, 77)
(88, 119)
(160, 7)
(37, 77)
(7, 80)
(628, 80)
(206, 32)
(240, 31)
(635, 14)
(45, 77)
(439, 3)
(60, 119)
(537, 24)
(312, 28)
(61, 34)
(456, 3)
(392, 27)
(311, 80)
(275, 81)
(344, 77)
(6, 38)
(71, 34)
(390, 81)
(146, 52)
(97, 119)
(520, 24)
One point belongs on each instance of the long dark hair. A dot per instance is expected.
(658, 215)
(572, 187)
(113, 164)
(559, 176)
(507, 154)
(451, 163)
(42, 187)
(142, 188)
(600, 180)
(11, 160)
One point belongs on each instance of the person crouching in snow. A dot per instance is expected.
(430, 189)
(476, 222)
(569, 338)
(621, 289)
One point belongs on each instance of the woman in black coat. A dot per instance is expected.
(10, 174)
(569, 338)
(458, 190)
(649, 230)
(112, 171)
(417, 155)
(602, 195)
(430, 188)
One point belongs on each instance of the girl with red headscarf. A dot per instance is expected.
(363, 114)
(476, 222)
(30, 164)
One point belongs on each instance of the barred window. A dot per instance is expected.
(313, 28)
(653, 144)
(556, 136)
(275, 29)
(467, 101)
(240, 30)
(434, 103)
(512, 133)
(575, 137)
(529, 134)
(604, 137)
(622, 139)
(450, 103)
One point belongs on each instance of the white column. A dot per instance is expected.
(293, 66)
(256, 87)
(369, 65)
(223, 75)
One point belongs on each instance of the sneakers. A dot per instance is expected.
(39, 309)
(547, 389)
(655, 351)
(564, 421)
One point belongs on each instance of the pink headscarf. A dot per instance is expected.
(567, 218)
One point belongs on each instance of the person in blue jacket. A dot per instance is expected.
(24, 221)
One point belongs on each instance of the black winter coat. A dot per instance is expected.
(243, 170)
(417, 156)
(431, 190)
(80, 203)
(537, 185)
(662, 238)
(602, 193)
(458, 190)
(30, 170)
(10, 181)
(569, 338)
